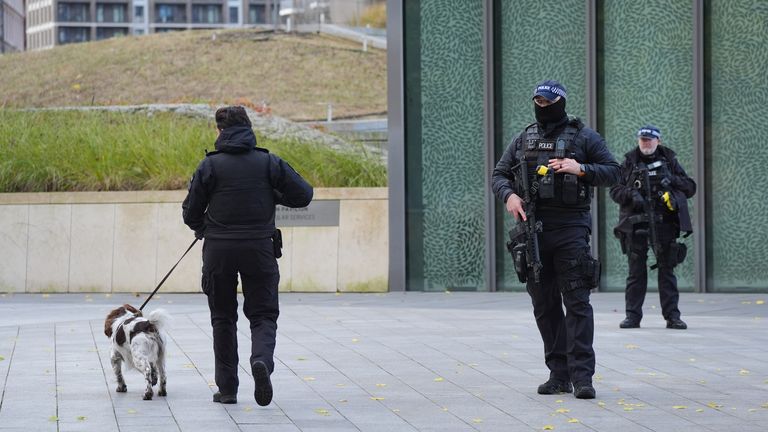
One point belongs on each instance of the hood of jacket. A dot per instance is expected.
(236, 139)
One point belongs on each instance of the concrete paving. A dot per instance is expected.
(391, 362)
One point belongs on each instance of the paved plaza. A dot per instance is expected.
(391, 363)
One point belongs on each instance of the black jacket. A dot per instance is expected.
(681, 187)
(600, 167)
(234, 190)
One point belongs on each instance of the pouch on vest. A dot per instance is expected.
(277, 243)
(677, 253)
(570, 189)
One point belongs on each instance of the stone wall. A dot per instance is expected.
(127, 241)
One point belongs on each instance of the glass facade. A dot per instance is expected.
(74, 34)
(73, 12)
(111, 12)
(736, 56)
(170, 13)
(444, 111)
(110, 32)
(645, 75)
(206, 14)
(522, 63)
(644, 71)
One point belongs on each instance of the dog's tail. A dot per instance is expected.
(160, 319)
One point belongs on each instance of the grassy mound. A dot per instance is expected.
(102, 151)
(293, 76)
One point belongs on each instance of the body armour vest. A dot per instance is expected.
(552, 190)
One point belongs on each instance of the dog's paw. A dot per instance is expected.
(121, 388)
(162, 392)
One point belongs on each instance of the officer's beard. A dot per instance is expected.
(550, 115)
(649, 151)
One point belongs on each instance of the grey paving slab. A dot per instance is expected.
(391, 363)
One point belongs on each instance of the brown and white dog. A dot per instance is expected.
(137, 341)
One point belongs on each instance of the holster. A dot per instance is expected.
(277, 243)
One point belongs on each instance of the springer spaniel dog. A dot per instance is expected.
(137, 341)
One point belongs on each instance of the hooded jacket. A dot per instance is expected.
(235, 189)
(681, 187)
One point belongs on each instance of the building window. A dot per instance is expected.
(111, 12)
(74, 34)
(257, 14)
(233, 15)
(110, 32)
(171, 13)
(138, 13)
(206, 14)
(138, 31)
(166, 30)
(74, 12)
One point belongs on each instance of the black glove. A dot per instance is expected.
(199, 235)
(638, 203)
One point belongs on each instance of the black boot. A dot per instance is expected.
(584, 391)
(225, 399)
(263, 391)
(629, 323)
(677, 324)
(554, 386)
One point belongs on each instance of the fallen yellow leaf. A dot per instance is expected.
(628, 408)
(631, 346)
(301, 358)
(548, 427)
(573, 420)
(562, 410)
(381, 385)
(601, 403)
(699, 409)
(53, 418)
(760, 302)
(559, 401)
(309, 378)
(340, 385)
(743, 372)
(396, 410)
(355, 340)
(2, 358)
(477, 420)
(46, 295)
(131, 411)
(714, 405)
(189, 366)
(248, 409)
(765, 405)
(81, 418)
(376, 398)
(343, 400)
(439, 379)
(752, 409)
(679, 407)
(322, 412)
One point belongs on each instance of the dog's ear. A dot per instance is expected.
(111, 320)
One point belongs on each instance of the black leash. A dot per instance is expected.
(166, 276)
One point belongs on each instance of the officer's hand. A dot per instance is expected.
(199, 235)
(515, 207)
(565, 166)
(637, 200)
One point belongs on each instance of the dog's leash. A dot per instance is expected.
(168, 274)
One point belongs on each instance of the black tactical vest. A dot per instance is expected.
(553, 191)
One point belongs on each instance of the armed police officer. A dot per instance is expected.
(231, 202)
(652, 195)
(546, 175)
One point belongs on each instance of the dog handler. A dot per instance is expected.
(231, 202)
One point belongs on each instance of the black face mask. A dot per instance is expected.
(550, 114)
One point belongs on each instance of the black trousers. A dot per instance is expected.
(637, 280)
(255, 261)
(567, 336)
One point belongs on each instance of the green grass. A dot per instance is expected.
(99, 151)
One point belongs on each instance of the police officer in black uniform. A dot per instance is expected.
(564, 158)
(231, 202)
(665, 199)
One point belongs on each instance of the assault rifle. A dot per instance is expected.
(643, 181)
(523, 242)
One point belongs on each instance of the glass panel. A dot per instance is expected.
(646, 77)
(73, 12)
(444, 144)
(533, 44)
(206, 14)
(74, 34)
(170, 13)
(108, 32)
(110, 12)
(738, 186)
(257, 14)
(233, 15)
